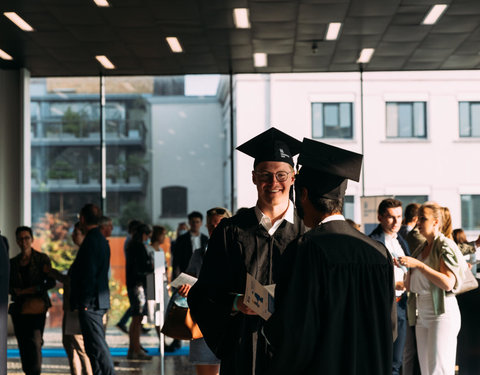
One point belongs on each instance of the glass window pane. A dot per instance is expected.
(317, 120)
(464, 113)
(345, 115)
(475, 125)
(349, 207)
(407, 199)
(405, 118)
(419, 119)
(331, 115)
(392, 120)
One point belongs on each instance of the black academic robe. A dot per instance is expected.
(237, 246)
(333, 305)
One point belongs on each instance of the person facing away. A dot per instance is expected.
(187, 243)
(335, 296)
(89, 290)
(72, 339)
(253, 242)
(390, 218)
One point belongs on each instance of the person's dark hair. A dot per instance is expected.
(78, 227)
(323, 205)
(23, 229)
(411, 211)
(140, 231)
(91, 214)
(388, 203)
(195, 214)
(104, 220)
(459, 236)
(158, 230)
(132, 225)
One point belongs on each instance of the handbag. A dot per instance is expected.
(179, 323)
(33, 305)
(468, 282)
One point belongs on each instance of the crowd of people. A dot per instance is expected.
(344, 302)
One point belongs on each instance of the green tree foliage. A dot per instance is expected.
(53, 235)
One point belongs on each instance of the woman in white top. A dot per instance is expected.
(433, 274)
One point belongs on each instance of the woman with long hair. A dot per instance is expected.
(433, 274)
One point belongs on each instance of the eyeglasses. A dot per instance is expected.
(265, 176)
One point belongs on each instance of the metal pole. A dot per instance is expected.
(232, 166)
(361, 126)
(103, 148)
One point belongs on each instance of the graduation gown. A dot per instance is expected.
(333, 305)
(238, 245)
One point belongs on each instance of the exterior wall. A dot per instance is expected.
(441, 166)
(187, 150)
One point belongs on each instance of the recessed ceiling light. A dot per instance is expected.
(102, 3)
(240, 18)
(260, 60)
(333, 30)
(4, 55)
(365, 55)
(434, 14)
(106, 63)
(19, 21)
(174, 44)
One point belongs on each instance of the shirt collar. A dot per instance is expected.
(289, 215)
(332, 218)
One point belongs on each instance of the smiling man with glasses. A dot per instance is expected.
(253, 242)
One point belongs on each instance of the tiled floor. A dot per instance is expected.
(174, 364)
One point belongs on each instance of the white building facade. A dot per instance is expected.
(420, 134)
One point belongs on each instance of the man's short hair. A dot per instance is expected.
(388, 203)
(23, 229)
(411, 211)
(104, 220)
(91, 214)
(325, 206)
(194, 214)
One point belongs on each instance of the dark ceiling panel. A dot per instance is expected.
(69, 33)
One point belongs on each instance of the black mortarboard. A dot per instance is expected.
(327, 168)
(271, 145)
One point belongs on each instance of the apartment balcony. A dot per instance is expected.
(72, 185)
(54, 133)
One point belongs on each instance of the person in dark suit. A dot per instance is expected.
(187, 243)
(4, 277)
(335, 295)
(89, 290)
(387, 232)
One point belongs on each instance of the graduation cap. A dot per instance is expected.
(326, 169)
(271, 145)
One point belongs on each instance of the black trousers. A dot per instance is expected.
(98, 352)
(29, 333)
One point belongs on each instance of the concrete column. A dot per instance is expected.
(14, 153)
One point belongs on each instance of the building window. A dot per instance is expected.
(174, 201)
(470, 212)
(469, 119)
(407, 199)
(349, 207)
(406, 120)
(332, 120)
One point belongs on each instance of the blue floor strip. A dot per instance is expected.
(115, 352)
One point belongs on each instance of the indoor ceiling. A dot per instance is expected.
(68, 34)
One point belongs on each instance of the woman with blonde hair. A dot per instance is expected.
(433, 275)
